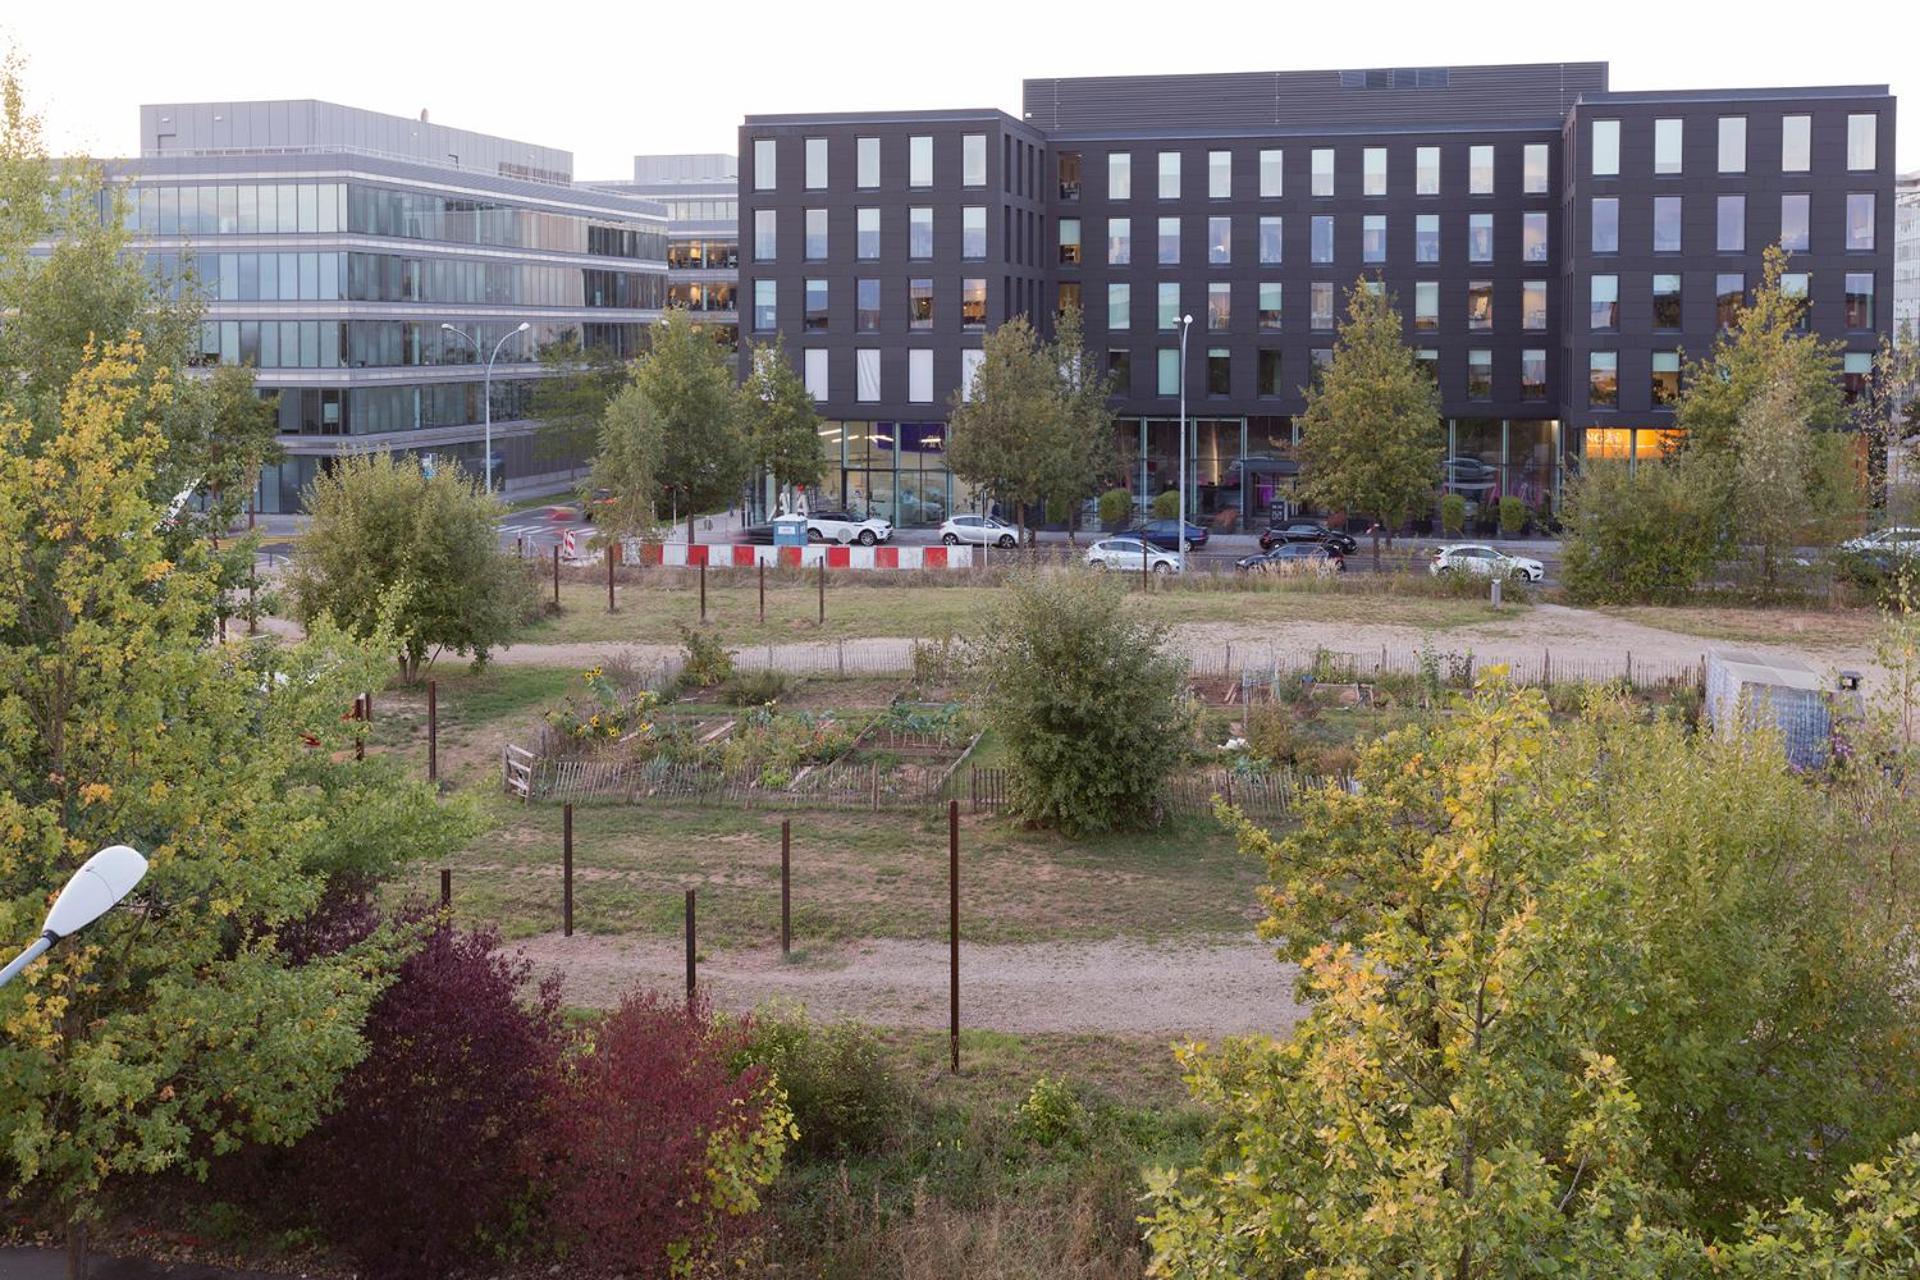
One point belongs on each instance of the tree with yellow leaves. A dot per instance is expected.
(177, 1028)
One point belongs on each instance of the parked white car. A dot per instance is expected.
(1123, 554)
(1897, 539)
(978, 530)
(842, 527)
(1485, 562)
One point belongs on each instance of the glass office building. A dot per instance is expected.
(335, 246)
(701, 195)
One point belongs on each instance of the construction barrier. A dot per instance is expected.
(723, 555)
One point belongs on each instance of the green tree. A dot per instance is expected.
(234, 433)
(1582, 998)
(393, 548)
(1885, 414)
(1090, 706)
(87, 288)
(1370, 436)
(996, 435)
(571, 398)
(673, 436)
(1772, 501)
(782, 425)
(176, 1029)
(1080, 446)
(1643, 535)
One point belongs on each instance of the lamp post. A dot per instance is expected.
(1180, 529)
(486, 391)
(101, 881)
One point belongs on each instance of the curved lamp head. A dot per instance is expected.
(449, 328)
(524, 326)
(102, 880)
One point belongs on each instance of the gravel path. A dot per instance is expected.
(1210, 988)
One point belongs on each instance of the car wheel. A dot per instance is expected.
(1163, 567)
(866, 538)
(950, 539)
(814, 535)
(1520, 575)
(1098, 566)
(1006, 540)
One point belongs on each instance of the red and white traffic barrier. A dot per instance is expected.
(724, 555)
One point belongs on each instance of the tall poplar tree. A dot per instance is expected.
(1370, 437)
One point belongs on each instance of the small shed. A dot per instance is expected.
(1745, 692)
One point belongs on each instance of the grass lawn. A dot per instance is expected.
(960, 1187)
(654, 610)
(1812, 629)
(855, 876)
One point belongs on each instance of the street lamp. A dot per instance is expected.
(1180, 529)
(102, 880)
(486, 391)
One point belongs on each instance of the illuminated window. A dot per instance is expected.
(1320, 304)
(1533, 374)
(1270, 297)
(1666, 377)
(1070, 242)
(1603, 379)
(973, 304)
(1480, 304)
(1607, 444)
(1860, 299)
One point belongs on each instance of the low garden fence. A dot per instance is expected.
(1262, 672)
(1269, 793)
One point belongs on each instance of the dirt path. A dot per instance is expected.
(1571, 635)
(1214, 988)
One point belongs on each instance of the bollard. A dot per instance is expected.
(1496, 593)
(566, 872)
(446, 887)
(953, 933)
(690, 949)
(786, 887)
(433, 731)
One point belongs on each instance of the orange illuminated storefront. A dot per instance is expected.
(1628, 444)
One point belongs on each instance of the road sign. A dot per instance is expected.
(569, 547)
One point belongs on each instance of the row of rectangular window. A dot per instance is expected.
(1270, 234)
(920, 157)
(1730, 223)
(1796, 145)
(384, 277)
(1535, 172)
(1603, 377)
(1603, 299)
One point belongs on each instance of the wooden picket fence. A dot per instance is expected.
(1256, 669)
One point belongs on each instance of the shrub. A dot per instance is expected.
(609, 712)
(668, 1142)
(1166, 506)
(708, 662)
(1052, 1115)
(432, 1150)
(755, 688)
(1270, 734)
(1115, 506)
(1453, 515)
(1513, 516)
(1641, 537)
(842, 1093)
(1092, 711)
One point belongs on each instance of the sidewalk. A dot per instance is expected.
(21, 1262)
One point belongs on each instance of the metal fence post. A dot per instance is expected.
(613, 551)
(566, 872)
(556, 576)
(823, 586)
(433, 731)
(703, 591)
(763, 591)
(786, 887)
(953, 933)
(446, 886)
(690, 949)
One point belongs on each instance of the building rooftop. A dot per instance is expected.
(306, 126)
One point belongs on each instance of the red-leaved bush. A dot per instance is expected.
(664, 1142)
(439, 1132)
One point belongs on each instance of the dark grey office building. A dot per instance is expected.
(1553, 246)
(334, 244)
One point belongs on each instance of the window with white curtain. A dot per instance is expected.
(920, 376)
(817, 373)
(866, 368)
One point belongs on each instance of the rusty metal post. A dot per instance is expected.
(613, 553)
(786, 887)
(823, 586)
(433, 731)
(690, 948)
(367, 702)
(763, 591)
(446, 887)
(359, 734)
(556, 575)
(520, 548)
(953, 933)
(703, 590)
(566, 872)
(1145, 584)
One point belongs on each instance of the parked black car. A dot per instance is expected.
(1160, 534)
(1294, 557)
(755, 534)
(1308, 531)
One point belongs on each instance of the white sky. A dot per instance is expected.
(612, 80)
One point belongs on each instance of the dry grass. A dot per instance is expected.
(1811, 629)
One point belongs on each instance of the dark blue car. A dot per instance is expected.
(1160, 534)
